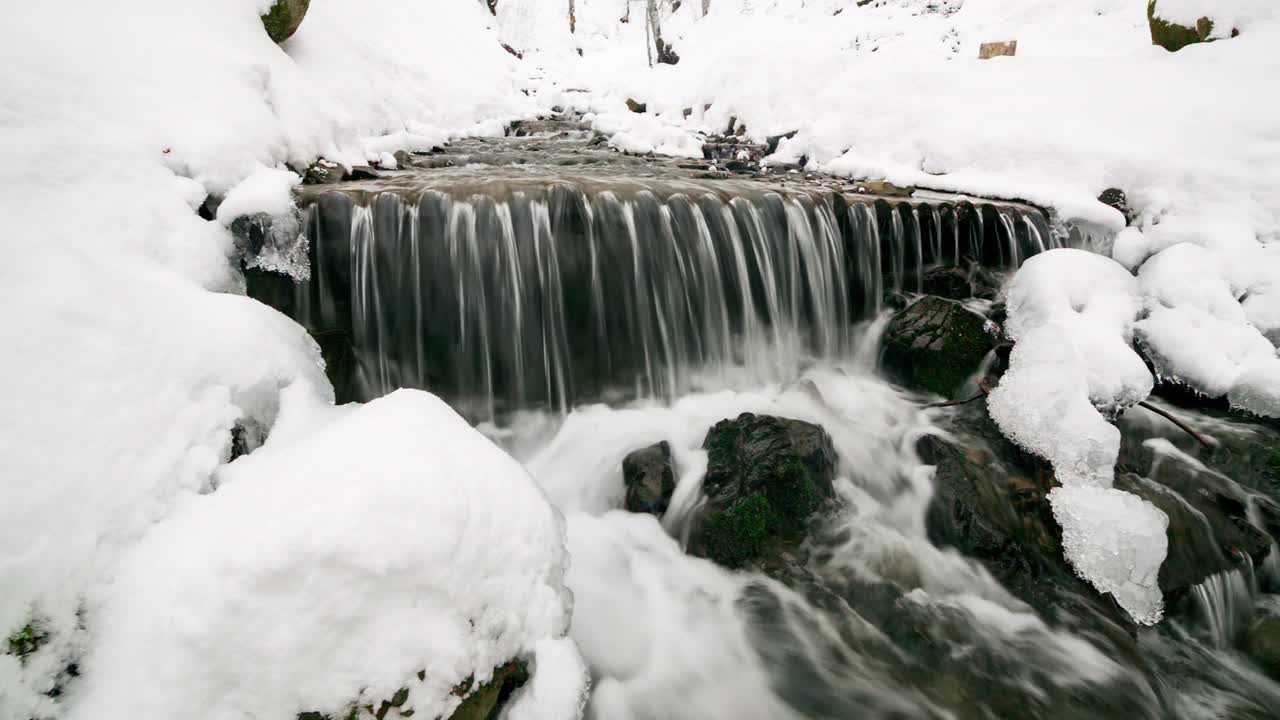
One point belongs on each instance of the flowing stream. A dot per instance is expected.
(579, 305)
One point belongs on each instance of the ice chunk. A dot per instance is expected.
(1257, 389)
(332, 567)
(1042, 404)
(1117, 542)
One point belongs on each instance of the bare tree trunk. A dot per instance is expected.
(573, 21)
(706, 7)
(662, 51)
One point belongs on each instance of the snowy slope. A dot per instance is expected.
(330, 567)
(126, 363)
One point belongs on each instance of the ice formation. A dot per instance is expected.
(1071, 314)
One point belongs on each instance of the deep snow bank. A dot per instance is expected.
(123, 374)
(331, 566)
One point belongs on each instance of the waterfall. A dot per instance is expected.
(522, 295)
(1226, 600)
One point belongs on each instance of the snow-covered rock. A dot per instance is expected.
(332, 567)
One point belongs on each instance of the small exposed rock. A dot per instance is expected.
(771, 142)
(766, 479)
(403, 158)
(935, 344)
(637, 107)
(284, 17)
(986, 51)
(650, 479)
(322, 171)
(884, 188)
(1115, 197)
(363, 172)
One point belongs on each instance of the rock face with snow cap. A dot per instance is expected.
(935, 344)
(1175, 35)
(284, 17)
(766, 478)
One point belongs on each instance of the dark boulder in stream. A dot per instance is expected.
(650, 479)
(935, 344)
(766, 479)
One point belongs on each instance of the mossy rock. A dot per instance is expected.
(1172, 36)
(767, 478)
(935, 344)
(284, 18)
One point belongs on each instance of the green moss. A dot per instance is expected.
(1174, 37)
(26, 640)
(737, 536)
(792, 497)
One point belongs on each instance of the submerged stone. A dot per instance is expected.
(1262, 644)
(935, 345)
(649, 477)
(767, 477)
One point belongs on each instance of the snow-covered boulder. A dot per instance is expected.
(362, 554)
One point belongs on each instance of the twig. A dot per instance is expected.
(953, 403)
(1205, 441)
(983, 386)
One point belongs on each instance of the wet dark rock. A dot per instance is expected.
(1262, 645)
(766, 479)
(637, 107)
(363, 172)
(935, 344)
(1194, 552)
(1222, 502)
(729, 149)
(771, 142)
(959, 283)
(284, 17)
(650, 479)
(991, 503)
(322, 171)
(1115, 197)
(403, 158)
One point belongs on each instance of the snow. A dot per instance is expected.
(1196, 332)
(331, 568)
(265, 190)
(1071, 314)
(1227, 15)
(130, 353)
